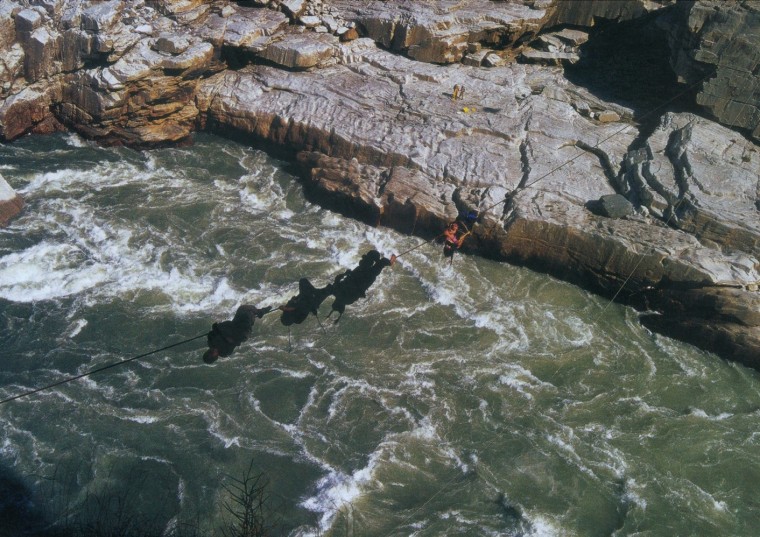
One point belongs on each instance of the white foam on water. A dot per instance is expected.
(145, 419)
(703, 502)
(543, 526)
(569, 450)
(130, 259)
(609, 457)
(7, 448)
(691, 366)
(181, 491)
(646, 408)
(45, 270)
(101, 258)
(74, 140)
(103, 389)
(214, 429)
(97, 254)
(260, 193)
(515, 381)
(75, 328)
(344, 256)
(633, 494)
(160, 460)
(66, 181)
(337, 489)
(425, 430)
(350, 386)
(698, 412)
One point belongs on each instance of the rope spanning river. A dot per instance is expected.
(473, 399)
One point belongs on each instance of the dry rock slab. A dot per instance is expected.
(301, 51)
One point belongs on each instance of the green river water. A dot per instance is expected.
(472, 399)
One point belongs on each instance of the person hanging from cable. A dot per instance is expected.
(455, 234)
(353, 284)
(307, 301)
(225, 337)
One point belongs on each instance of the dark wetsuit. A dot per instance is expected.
(227, 335)
(307, 301)
(353, 284)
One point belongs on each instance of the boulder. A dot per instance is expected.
(703, 180)
(301, 51)
(29, 111)
(570, 37)
(608, 116)
(40, 54)
(156, 89)
(294, 8)
(100, 17)
(476, 59)
(8, 24)
(349, 35)
(310, 21)
(184, 11)
(611, 206)
(27, 21)
(11, 68)
(75, 48)
(171, 44)
(10, 202)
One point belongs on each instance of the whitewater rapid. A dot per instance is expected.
(475, 398)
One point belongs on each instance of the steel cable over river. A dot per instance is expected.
(472, 399)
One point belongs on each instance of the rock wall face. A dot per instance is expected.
(440, 31)
(406, 114)
(716, 45)
(118, 72)
(589, 12)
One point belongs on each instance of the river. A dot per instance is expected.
(475, 398)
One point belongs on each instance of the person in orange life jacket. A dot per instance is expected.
(452, 240)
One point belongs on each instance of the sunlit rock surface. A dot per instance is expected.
(361, 94)
(718, 42)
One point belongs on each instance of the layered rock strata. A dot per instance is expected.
(715, 44)
(375, 126)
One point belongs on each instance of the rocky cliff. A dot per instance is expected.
(657, 204)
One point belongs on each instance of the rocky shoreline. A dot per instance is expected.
(361, 95)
